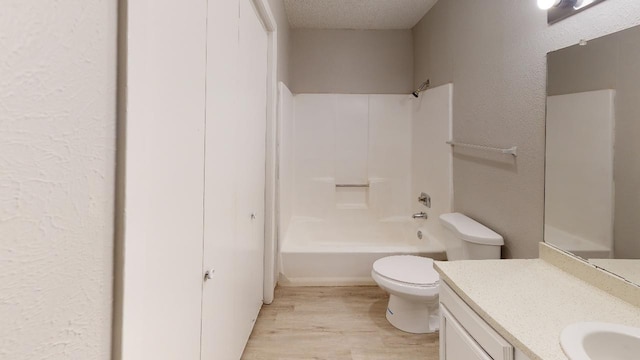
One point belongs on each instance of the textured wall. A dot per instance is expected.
(494, 51)
(57, 132)
(351, 61)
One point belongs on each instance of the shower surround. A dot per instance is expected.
(350, 170)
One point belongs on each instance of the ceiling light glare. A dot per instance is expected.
(547, 4)
(582, 3)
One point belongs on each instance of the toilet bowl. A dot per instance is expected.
(413, 283)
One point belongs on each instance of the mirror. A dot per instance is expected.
(592, 171)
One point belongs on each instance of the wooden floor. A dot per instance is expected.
(333, 323)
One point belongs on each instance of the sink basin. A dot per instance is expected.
(600, 341)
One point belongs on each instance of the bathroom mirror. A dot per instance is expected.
(592, 172)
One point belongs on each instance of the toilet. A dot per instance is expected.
(413, 283)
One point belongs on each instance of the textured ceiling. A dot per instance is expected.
(356, 14)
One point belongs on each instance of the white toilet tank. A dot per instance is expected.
(467, 239)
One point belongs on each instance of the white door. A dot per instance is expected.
(252, 145)
(235, 177)
(163, 180)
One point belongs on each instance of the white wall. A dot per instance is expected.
(351, 61)
(494, 51)
(57, 124)
(579, 190)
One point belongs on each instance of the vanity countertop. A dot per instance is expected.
(530, 302)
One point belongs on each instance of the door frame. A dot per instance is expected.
(270, 221)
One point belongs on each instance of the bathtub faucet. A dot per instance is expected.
(420, 215)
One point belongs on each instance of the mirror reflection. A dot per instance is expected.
(592, 174)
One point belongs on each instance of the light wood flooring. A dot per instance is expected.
(333, 323)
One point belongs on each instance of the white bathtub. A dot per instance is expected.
(574, 244)
(342, 250)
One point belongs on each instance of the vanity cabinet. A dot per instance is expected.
(465, 335)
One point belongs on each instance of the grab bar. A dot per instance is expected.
(352, 185)
(510, 151)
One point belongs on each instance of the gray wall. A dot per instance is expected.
(351, 61)
(494, 52)
(611, 62)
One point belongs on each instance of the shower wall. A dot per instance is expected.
(358, 140)
(285, 158)
(393, 143)
(431, 157)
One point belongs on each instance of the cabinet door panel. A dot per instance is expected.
(492, 343)
(458, 344)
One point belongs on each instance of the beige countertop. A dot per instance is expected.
(530, 302)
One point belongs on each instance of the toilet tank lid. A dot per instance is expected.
(470, 230)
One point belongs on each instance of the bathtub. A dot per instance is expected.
(341, 251)
(574, 244)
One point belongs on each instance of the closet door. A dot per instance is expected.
(235, 177)
(159, 288)
(252, 153)
(221, 168)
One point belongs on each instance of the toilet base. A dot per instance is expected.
(416, 317)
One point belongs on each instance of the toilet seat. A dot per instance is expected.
(409, 275)
(408, 269)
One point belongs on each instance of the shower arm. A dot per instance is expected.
(424, 86)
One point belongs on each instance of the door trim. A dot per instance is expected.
(270, 227)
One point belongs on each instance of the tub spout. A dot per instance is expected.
(420, 215)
